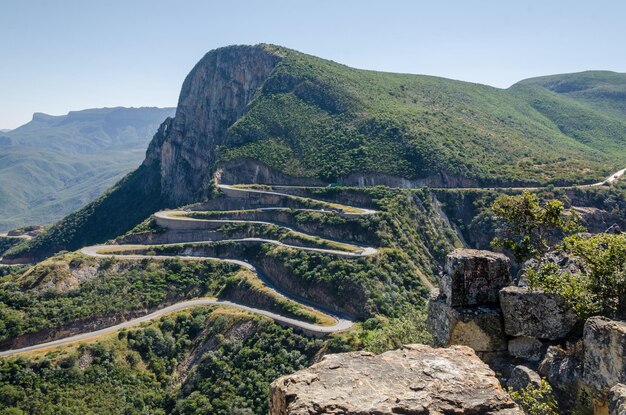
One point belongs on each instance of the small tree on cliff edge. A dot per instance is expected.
(600, 288)
(529, 229)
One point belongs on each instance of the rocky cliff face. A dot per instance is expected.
(214, 95)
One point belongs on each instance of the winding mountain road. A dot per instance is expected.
(355, 250)
(342, 322)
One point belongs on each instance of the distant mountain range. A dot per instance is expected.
(55, 164)
(5, 130)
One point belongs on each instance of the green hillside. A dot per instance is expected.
(56, 164)
(601, 91)
(317, 118)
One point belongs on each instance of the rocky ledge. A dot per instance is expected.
(415, 379)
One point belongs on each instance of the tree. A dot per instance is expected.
(528, 228)
(600, 287)
(531, 229)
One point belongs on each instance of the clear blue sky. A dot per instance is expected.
(65, 55)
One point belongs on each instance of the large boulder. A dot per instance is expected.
(415, 379)
(535, 314)
(480, 328)
(605, 354)
(521, 377)
(473, 277)
(617, 400)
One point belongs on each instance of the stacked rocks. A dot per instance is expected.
(466, 311)
(477, 307)
(533, 317)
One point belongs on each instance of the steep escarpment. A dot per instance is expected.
(214, 95)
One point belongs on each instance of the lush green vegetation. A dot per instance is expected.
(146, 370)
(142, 371)
(279, 233)
(471, 210)
(414, 241)
(529, 227)
(601, 90)
(597, 287)
(355, 229)
(414, 244)
(536, 400)
(236, 376)
(50, 296)
(56, 164)
(73, 288)
(316, 118)
(600, 287)
(379, 333)
(6, 243)
(147, 226)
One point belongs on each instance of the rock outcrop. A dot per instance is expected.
(563, 370)
(605, 354)
(474, 277)
(466, 311)
(415, 379)
(521, 377)
(535, 314)
(213, 96)
(480, 328)
(528, 348)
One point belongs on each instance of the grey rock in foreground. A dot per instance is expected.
(474, 277)
(480, 328)
(415, 379)
(535, 314)
(617, 400)
(605, 354)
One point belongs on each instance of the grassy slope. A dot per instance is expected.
(321, 119)
(54, 165)
(603, 91)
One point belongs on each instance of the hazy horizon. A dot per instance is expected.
(75, 55)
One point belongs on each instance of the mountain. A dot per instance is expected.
(56, 164)
(5, 130)
(305, 119)
(267, 114)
